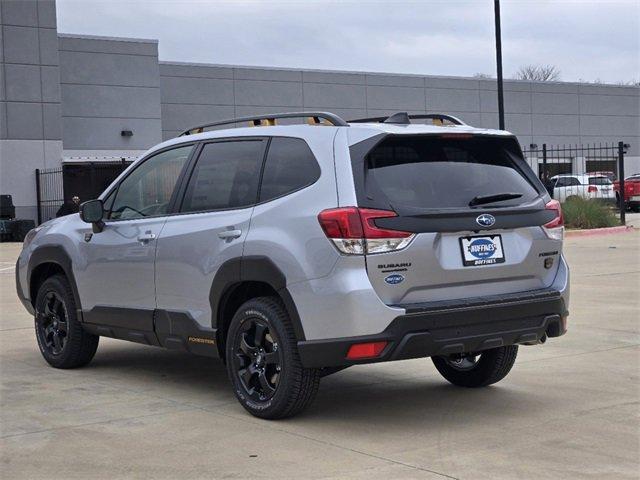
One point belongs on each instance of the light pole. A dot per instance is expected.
(496, 4)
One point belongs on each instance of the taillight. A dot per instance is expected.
(365, 350)
(353, 231)
(592, 189)
(555, 228)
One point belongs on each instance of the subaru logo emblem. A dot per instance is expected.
(486, 220)
(394, 279)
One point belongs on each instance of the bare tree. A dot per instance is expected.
(630, 83)
(539, 73)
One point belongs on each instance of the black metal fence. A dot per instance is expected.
(86, 180)
(49, 192)
(589, 171)
(592, 171)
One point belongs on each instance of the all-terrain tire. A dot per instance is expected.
(74, 347)
(296, 386)
(492, 366)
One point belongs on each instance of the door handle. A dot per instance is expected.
(229, 234)
(146, 237)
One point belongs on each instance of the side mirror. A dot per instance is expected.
(92, 212)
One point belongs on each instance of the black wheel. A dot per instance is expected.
(477, 369)
(62, 341)
(263, 362)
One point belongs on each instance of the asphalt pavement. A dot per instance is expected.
(569, 409)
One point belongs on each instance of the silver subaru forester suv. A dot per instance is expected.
(293, 251)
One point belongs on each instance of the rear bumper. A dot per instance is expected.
(445, 328)
(608, 198)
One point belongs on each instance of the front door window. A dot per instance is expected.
(146, 192)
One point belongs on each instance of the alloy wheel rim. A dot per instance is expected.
(257, 359)
(53, 324)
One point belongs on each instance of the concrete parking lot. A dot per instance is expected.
(569, 409)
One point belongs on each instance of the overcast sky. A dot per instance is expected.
(586, 40)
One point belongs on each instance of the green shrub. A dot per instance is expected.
(581, 213)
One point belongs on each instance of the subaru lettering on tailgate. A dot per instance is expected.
(481, 250)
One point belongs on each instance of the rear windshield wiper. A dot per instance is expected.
(498, 197)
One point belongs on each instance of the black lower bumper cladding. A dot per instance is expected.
(21, 295)
(452, 327)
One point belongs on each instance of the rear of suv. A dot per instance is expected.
(295, 251)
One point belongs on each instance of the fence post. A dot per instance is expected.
(623, 206)
(545, 174)
(38, 197)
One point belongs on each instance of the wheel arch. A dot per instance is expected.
(45, 262)
(241, 279)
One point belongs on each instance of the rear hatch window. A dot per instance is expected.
(442, 183)
(433, 172)
(599, 181)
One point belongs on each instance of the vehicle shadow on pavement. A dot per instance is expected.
(157, 368)
(410, 392)
(419, 401)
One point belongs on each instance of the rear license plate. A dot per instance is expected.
(485, 250)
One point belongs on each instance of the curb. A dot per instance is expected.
(598, 231)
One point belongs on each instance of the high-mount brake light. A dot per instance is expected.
(555, 228)
(353, 231)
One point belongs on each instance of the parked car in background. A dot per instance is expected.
(586, 186)
(631, 192)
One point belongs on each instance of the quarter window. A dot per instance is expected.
(225, 176)
(290, 166)
(146, 192)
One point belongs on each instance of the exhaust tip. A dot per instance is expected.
(538, 341)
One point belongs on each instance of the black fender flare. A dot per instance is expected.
(59, 256)
(254, 268)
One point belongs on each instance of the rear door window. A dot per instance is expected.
(226, 176)
(568, 182)
(572, 182)
(290, 166)
(445, 172)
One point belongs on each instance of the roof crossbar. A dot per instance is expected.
(403, 118)
(313, 118)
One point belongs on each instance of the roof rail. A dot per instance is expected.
(403, 118)
(313, 118)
